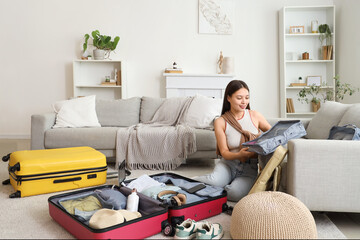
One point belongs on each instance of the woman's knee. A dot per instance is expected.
(239, 188)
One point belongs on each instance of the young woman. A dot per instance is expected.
(237, 169)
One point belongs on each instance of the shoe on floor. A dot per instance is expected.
(209, 231)
(186, 230)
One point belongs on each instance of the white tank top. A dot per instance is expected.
(233, 136)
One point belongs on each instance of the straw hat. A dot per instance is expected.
(104, 218)
(271, 215)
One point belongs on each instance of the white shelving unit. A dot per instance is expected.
(291, 48)
(211, 85)
(89, 74)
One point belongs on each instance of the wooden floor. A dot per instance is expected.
(348, 223)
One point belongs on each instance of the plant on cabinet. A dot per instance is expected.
(102, 43)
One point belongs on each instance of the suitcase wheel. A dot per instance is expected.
(168, 230)
(6, 182)
(16, 194)
(6, 158)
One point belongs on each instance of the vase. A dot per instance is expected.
(228, 65)
(315, 106)
(99, 54)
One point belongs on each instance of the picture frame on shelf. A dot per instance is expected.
(313, 80)
(297, 29)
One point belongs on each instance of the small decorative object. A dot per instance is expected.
(115, 74)
(107, 78)
(175, 65)
(300, 80)
(297, 29)
(314, 97)
(102, 43)
(305, 56)
(313, 80)
(314, 26)
(220, 62)
(89, 57)
(228, 65)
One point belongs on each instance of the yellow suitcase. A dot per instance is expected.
(51, 170)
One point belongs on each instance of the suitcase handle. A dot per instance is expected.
(67, 180)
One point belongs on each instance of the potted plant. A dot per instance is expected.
(341, 89)
(102, 43)
(325, 34)
(314, 94)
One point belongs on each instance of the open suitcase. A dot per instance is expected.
(156, 216)
(51, 170)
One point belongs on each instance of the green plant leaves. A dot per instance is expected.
(102, 41)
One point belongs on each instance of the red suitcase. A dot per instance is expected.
(139, 228)
(163, 218)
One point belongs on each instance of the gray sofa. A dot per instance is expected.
(322, 173)
(112, 114)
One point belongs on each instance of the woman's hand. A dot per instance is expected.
(244, 154)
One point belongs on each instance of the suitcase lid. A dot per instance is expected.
(55, 160)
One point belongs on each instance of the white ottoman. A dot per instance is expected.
(272, 215)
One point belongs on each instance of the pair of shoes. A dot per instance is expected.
(190, 229)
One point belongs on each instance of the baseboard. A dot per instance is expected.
(15, 136)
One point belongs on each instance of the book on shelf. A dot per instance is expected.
(109, 83)
(297, 84)
(118, 78)
(290, 105)
(173, 70)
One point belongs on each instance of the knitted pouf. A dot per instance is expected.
(272, 215)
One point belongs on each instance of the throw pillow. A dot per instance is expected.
(202, 112)
(119, 112)
(77, 112)
(329, 115)
(351, 116)
(149, 105)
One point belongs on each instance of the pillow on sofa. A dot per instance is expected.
(351, 116)
(77, 112)
(149, 105)
(119, 112)
(202, 112)
(329, 115)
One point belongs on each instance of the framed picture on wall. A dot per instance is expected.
(297, 29)
(313, 80)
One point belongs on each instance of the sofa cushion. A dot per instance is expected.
(77, 112)
(205, 140)
(98, 138)
(148, 107)
(118, 113)
(351, 116)
(329, 115)
(202, 112)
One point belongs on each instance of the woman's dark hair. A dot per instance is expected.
(232, 87)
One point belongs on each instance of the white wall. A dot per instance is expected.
(348, 44)
(40, 38)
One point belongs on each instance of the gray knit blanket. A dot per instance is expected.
(161, 144)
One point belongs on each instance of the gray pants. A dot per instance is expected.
(236, 177)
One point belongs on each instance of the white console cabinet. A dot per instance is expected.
(211, 85)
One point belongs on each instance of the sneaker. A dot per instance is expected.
(186, 230)
(209, 231)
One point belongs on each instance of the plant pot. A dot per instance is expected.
(99, 54)
(315, 106)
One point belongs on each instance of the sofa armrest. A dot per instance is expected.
(324, 174)
(305, 121)
(39, 124)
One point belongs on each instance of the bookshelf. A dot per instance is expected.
(291, 48)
